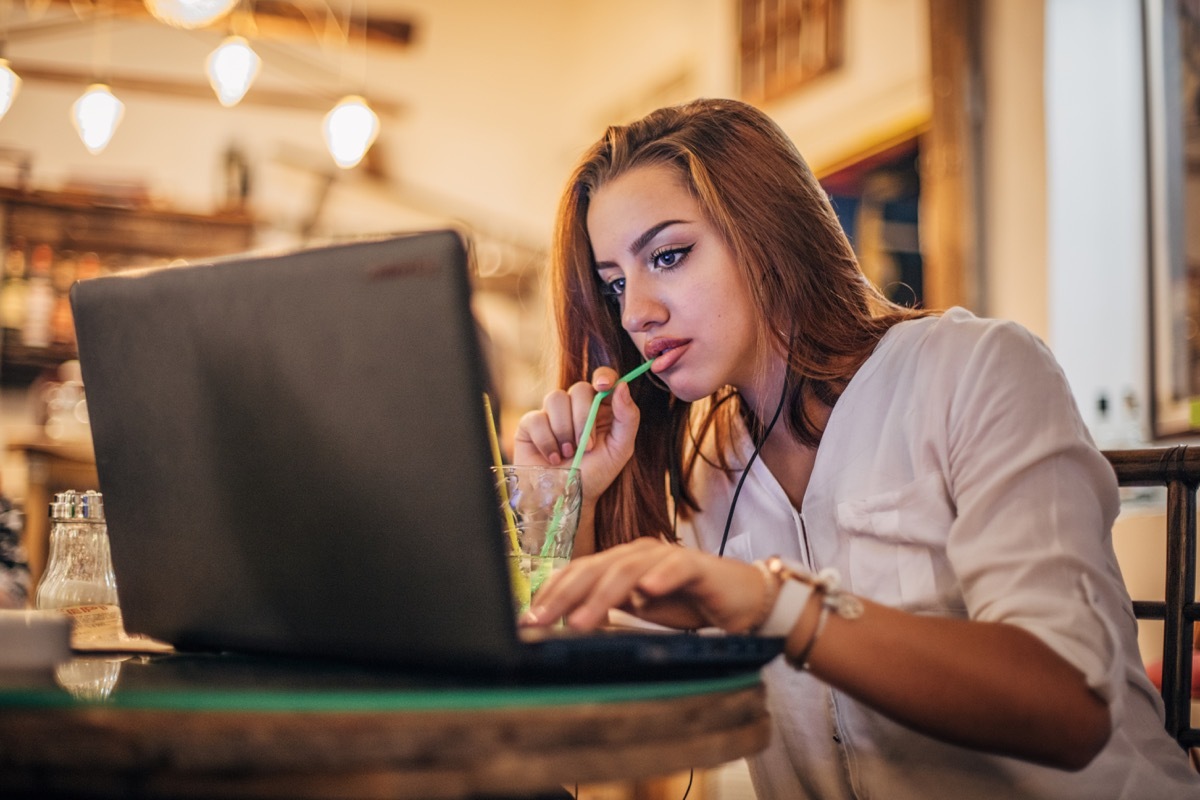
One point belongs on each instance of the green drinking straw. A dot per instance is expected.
(543, 570)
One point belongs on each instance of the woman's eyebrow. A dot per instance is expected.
(640, 242)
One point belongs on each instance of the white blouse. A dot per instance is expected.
(955, 478)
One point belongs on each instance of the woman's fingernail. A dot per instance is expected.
(568, 450)
(554, 459)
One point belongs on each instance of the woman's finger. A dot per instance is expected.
(591, 586)
(727, 593)
(534, 432)
(615, 587)
(582, 396)
(625, 417)
(558, 408)
(604, 378)
(659, 582)
(574, 586)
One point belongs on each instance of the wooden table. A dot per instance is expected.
(315, 736)
(53, 467)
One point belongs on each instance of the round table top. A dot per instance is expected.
(229, 726)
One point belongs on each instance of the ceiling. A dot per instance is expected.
(313, 38)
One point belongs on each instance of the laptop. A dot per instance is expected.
(295, 461)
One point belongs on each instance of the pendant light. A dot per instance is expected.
(96, 115)
(10, 84)
(232, 67)
(189, 13)
(350, 129)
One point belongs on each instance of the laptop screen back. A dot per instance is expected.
(294, 457)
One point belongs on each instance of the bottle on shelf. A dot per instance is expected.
(62, 323)
(39, 300)
(13, 290)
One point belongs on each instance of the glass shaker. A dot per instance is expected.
(79, 578)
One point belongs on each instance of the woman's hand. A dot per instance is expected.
(949, 678)
(551, 434)
(660, 582)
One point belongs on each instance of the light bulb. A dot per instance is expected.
(96, 114)
(350, 130)
(232, 67)
(189, 13)
(10, 83)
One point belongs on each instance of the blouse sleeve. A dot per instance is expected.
(1031, 543)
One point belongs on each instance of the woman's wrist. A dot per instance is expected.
(784, 600)
(585, 533)
(792, 614)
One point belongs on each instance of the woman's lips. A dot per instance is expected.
(668, 355)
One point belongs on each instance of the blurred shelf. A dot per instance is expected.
(81, 221)
(112, 233)
(20, 365)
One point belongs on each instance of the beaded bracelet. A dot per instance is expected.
(800, 660)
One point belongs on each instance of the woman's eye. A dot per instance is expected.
(614, 288)
(669, 258)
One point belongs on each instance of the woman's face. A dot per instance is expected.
(682, 299)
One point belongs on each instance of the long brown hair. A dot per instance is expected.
(815, 305)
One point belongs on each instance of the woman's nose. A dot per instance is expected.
(641, 308)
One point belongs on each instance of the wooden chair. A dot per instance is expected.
(1178, 469)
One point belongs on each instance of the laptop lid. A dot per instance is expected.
(295, 460)
(293, 453)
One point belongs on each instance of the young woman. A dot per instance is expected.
(910, 499)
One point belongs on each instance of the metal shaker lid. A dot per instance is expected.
(73, 505)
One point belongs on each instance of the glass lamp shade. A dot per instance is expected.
(10, 84)
(350, 130)
(189, 13)
(232, 67)
(96, 114)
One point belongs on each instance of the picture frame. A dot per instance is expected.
(1172, 49)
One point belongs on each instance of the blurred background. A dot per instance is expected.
(995, 155)
(1027, 159)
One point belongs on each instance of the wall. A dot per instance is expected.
(1096, 199)
(1014, 165)
(881, 92)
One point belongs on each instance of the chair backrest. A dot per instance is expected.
(1178, 469)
